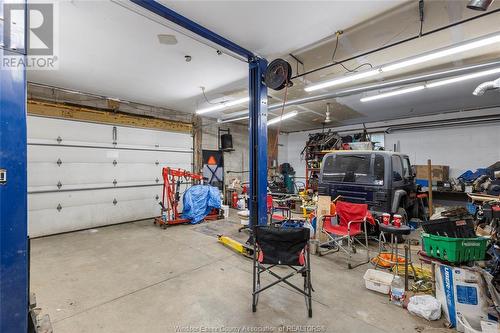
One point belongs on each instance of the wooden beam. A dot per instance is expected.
(64, 111)
(429, 177)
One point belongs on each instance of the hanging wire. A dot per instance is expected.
(337, 35)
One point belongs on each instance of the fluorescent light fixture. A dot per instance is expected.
(392, 93)
(220, 121)
(463, 78)
(466, 46)
(441, 53)
(223, 105)
(341, 80)
(432, 84)
(281, 118)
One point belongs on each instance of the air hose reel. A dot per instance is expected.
(278, 74)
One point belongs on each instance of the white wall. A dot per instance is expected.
(291, 145)
(237, 160)
(460, 147)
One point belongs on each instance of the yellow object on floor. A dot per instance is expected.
(235, 245)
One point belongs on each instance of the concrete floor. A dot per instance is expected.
(137, 277)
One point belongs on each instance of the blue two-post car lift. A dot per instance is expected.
(14, 247)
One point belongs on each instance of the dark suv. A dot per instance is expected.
(384, 180)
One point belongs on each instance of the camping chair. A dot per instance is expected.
(281, 247)
(274, 218)
(351, 217)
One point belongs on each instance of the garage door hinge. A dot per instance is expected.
(115, 182)
(59, 185)
(157, 163)
(157, 197)
(115, 201)
(59, 162)
(157, 180)
(115, 162)
(59, 139)
(59, 207)
(115, 135)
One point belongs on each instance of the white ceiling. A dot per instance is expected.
(111, 50)
(274, 28)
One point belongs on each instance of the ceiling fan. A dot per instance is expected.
(326, 119)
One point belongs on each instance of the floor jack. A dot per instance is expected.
(172, 181)
(241, 248)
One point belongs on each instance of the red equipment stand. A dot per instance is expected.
(172, 180)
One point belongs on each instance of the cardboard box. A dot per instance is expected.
(439, 172)
(323, 208)
(461, 290)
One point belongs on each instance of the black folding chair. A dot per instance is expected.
(281, 247)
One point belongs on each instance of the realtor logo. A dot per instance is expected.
(29, 30)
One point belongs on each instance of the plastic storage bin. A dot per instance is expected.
(454, 250)
(451, 227)
(378, 281)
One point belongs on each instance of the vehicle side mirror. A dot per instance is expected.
(413, 171)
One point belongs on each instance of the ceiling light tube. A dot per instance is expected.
(433, 55)
(281, 118)
(344, 79)
(393, 93)
(220, 121)
(463, 78)
(432, 84)
(444, 52)
(223, 105)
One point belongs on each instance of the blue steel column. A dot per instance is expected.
(13, 201)
(258, 143)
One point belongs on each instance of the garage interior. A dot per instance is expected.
(171, 154)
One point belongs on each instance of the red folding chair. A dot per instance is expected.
(272, 209)
(352, 222)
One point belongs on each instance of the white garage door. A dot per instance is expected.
(83, 175)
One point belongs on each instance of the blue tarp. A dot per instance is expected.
(469, 176)
(198, 201)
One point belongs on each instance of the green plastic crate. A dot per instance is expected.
(454, 250)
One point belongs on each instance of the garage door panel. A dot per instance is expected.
(69, 154)
(83, 198)
(86, 175)
(134, 136)
(50, 221)
(67, 130)
(45, 174)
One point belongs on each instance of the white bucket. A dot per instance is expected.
(225, 209)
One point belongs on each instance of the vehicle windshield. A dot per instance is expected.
(354, 168)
